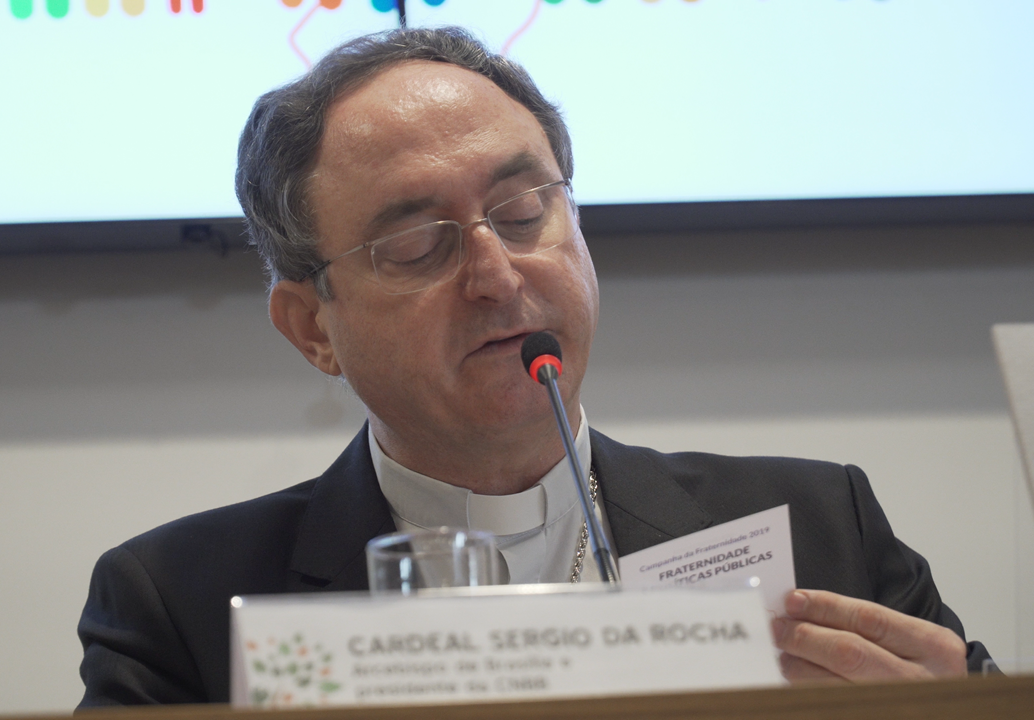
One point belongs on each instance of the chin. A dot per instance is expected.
(507, 410)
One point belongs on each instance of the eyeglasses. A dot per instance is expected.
(427, 255)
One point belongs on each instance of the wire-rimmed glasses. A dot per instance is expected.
(422, 257)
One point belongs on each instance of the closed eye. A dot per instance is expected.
(417, 251)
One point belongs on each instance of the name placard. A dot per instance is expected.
(508, 643)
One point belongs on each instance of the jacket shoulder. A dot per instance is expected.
(730, 486)
(263, 513)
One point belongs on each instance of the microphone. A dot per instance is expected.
(541, 350)
(540, 353)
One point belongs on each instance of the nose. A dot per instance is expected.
(487, 272)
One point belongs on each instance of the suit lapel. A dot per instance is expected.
(345, 511)
(645, 505)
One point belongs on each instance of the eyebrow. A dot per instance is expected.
(393, 212)
(520, 163)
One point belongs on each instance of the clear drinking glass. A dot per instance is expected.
(442, 558)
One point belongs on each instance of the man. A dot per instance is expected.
(411, 198)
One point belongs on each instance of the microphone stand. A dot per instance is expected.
(601, 551)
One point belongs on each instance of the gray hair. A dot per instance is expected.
(279, 143)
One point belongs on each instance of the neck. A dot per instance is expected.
(501, 464)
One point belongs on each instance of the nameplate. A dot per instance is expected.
(508, 643)
(753, 551)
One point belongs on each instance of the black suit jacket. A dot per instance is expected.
(155, 628)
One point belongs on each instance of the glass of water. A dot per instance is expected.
(443, 558)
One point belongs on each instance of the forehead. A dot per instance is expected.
(428, 117)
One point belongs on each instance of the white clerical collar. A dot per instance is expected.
(424, 502)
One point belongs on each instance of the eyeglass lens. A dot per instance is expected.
(427, 255)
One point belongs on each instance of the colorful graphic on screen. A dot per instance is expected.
(130, 109)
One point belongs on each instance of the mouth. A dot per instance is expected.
(504, 345)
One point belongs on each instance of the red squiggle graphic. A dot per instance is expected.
(521, 30)
(299, 26)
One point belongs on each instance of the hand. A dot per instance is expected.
(830, 636)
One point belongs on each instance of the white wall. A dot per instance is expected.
(135, 388)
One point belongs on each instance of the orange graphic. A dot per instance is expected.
(177, 5)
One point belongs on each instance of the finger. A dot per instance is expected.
(843, 653)
(797, 669)
(907, 637)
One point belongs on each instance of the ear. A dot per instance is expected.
(294, 310)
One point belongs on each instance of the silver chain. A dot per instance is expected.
(583, 539)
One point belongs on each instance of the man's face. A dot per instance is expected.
(423, 142)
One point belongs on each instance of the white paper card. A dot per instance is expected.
(730, 555)
(351, 649)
